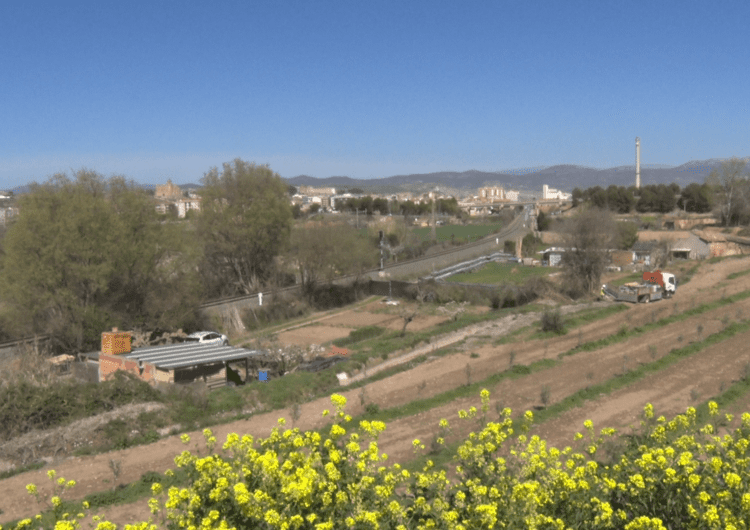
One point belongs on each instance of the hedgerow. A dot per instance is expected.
(672, 474)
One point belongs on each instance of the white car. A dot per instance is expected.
(208, 337)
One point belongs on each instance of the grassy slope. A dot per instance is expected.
(501, 273)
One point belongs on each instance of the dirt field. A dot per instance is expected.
(670, 390)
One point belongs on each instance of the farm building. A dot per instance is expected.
(174, 363)
(691, 247)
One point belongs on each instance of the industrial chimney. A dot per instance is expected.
(637, 162)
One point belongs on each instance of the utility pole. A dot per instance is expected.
(434, 222)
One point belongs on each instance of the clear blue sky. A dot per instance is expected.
(155, 90)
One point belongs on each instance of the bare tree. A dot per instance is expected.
(408, 314)
(730, 183)
(588, 238)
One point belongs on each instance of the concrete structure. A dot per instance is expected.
(637, 162)
(691, 247)
(553, 256)
(491, 194)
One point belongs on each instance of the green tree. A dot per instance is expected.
(696, 198)
(323, 251)
(543, 222)
(627, 234)
(88, 254)
(244, 224)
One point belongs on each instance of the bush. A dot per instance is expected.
(552, 320)
(576, 484)
(358, 335)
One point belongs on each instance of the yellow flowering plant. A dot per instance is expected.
(669, 474)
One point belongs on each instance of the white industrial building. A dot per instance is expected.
(552, 193)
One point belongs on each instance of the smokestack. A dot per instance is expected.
(637, 162)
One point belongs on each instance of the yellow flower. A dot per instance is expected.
(713, 408)
(31, 488)
(185, 438)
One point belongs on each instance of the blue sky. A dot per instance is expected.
(155, 90)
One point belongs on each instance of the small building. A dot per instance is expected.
(622, 258)
(691, 247)
(645, 251)
(552, 256)
(173, 363)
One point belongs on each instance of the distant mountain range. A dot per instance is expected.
(564, 177)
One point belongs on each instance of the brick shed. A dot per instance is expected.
(174, 363)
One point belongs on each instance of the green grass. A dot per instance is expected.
(579, 319)
(123, 494)
(458, 233)
(736, 275)
(359, 334)
(501, 273)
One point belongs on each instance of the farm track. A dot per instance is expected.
(669, 391)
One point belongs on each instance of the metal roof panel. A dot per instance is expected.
(189, 354)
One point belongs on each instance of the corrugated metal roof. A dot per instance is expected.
(189, 354)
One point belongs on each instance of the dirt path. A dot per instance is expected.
(704, 372)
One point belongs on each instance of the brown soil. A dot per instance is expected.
(669, 390)
(313, 335)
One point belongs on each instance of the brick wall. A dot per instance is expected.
(109, 364)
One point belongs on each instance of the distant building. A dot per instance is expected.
(6, 214)
(168, 191)
(492, 194)
(171, 194)
(309, 190)
(552, 193)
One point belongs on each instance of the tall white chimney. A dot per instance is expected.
(637, 162)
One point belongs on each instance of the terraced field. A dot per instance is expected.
(673, 354)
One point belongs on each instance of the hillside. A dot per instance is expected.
(609, 365)
(565, 177)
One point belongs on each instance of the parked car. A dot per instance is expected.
(208, 337)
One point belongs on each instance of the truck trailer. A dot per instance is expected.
(656, 285)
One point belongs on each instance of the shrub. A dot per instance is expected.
(552, 320)
(659, 467)
(358, 335)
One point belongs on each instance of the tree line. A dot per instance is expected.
(370, 205)
(725, 191)
(88, 253)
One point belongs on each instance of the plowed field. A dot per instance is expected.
(670, 389)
